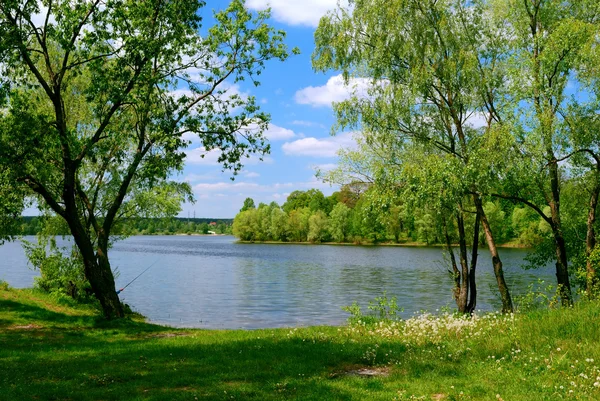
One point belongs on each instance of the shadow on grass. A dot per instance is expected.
(187, 368)
(39, 315)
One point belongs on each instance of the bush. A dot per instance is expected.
(61, 269)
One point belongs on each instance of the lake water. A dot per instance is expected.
(213, 282)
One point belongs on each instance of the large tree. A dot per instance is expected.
(548, 43)
(102, 97)
(431, 68)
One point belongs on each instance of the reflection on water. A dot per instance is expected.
(213, 282)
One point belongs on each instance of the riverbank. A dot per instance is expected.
(52, 351)
(510, 245)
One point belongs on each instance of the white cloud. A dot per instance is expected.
(323, 167)
(211, 196)
(296, 12)
(226, 186)
(277, 133)
(319, 147)
(477, 120)
(203, 157)
(200, 156)
(335, 90)
(250, 174)
(247, 188)
(304, 123)
(200, 177)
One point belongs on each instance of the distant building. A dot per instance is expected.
(212, 224)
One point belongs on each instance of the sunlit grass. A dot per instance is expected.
(51, 351)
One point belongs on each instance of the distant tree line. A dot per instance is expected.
(360, 213)
(33, 225)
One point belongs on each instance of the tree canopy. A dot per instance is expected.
(101, 99)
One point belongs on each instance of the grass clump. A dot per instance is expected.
(50, 351)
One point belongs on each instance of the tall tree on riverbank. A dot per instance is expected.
(423, 84)
(102, 98)
(548, 41)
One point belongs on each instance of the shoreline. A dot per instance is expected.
(369, 244)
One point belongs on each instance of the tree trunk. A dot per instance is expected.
(507, 306)
(472, 283)
(590, 243)
(562, 264)
(98, 272)
(464, 264)
(454, 272)
(107, 294)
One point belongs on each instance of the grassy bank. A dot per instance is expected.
(55, 352)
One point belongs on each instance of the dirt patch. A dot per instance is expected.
(438, 397)
(370, 372)
(363, 371)
(168, 335)
(25, 327)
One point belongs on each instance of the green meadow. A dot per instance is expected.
(52, 351)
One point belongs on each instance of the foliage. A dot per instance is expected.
(248, 204)
(61, 268)
(381, 309)
(318, 226)
(377, 217)
(101, 99)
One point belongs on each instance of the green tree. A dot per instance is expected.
(278, 220)
(339, 222)
(101, 98)
(318, 225)
(248, 204)
(244, 225)
(429, 66)
(297, 228)
(548, 42)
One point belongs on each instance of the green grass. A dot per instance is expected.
(56, 352)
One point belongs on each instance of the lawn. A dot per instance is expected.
(52, 351)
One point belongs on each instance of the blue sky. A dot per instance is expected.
(299, 101)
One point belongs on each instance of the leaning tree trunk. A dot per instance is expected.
(590, 243)
(105, 283)
(472, 284)
(98, 272)
(507, 306)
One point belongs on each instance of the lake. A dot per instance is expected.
(214, 282)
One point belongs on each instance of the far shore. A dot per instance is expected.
(407, 244)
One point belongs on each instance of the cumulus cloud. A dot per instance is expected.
(319, 147)
(201, 156)
(296, 12)
(272, 133)
(305, 123)
(335, 90)
(277, 133)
